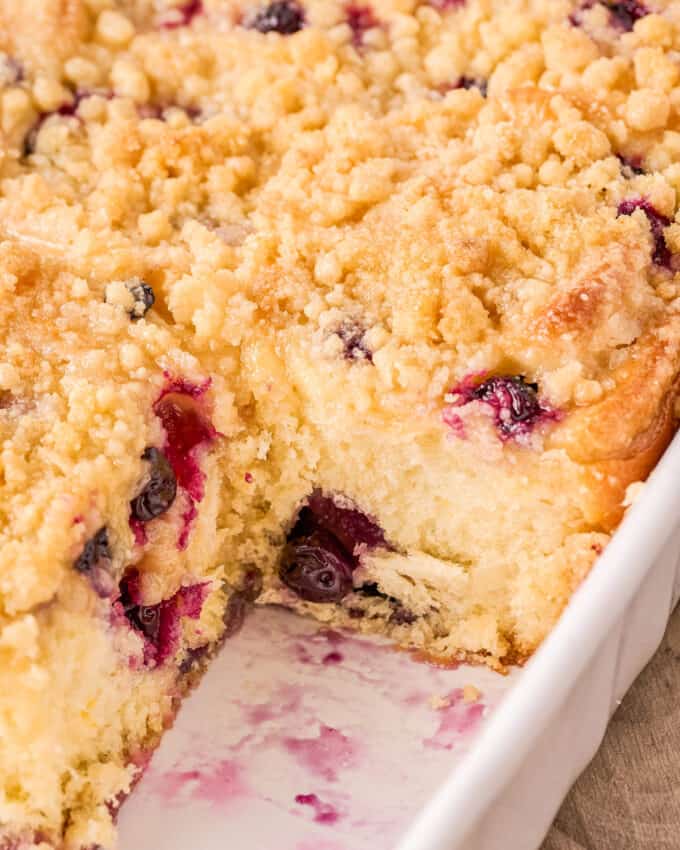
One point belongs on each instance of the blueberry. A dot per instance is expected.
(241, 600)
(159, 492)
(514, 400)
(472, 83)
(631, 166)
(144, 298)
(95, 550)
(623, 13)
(515, 403)
(626, 12)
(95, 562)
(282, 16)
(317, 568)
(354, 343)
(402, 616)
(143, 618)
(657, 222)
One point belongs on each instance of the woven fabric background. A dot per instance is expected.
(629, 797)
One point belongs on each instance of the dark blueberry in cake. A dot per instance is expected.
(160, 624)
(657, 222)
(182, 16)
(317, 568)
(515, 402)
(353, 338)
(241, 601)
(95, 562)
(282, 16)
(95, 550)
(324, 546)
(144, 298)
(631, 166)
(472, 83)
(160, 490)
(360, 19)
(142, 618)
(623, 15)
(402, 616)
(626, 12)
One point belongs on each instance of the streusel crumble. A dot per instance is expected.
(367, 309)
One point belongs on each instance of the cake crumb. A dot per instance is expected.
(471, 693)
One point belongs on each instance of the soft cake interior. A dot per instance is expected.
(368, 311)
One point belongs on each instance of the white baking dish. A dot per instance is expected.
(285, 711)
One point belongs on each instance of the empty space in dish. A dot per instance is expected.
(303, 739)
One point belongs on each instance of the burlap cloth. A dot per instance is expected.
(629, 797)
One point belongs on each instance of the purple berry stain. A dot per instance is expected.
(325, 754)
(516, 405)
(188, 432)
(283, 16)
(360, 19)
(331, 658)
(323, 812)
(159, 624)
(182, 16)
(657, 222)
(323, 549)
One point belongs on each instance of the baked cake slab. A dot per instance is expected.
(366, 310)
